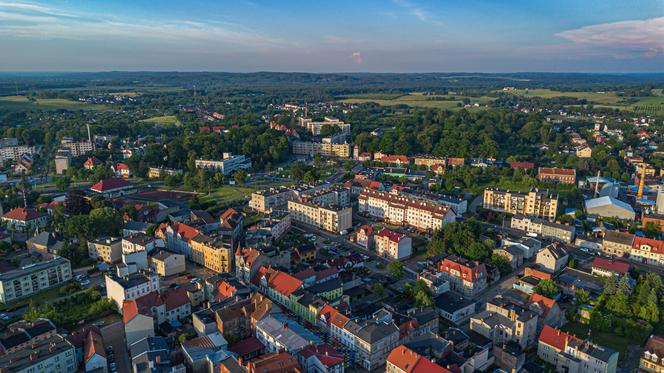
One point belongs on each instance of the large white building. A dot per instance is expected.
(315, 127)
(398, 209)
(131, 286)
(14, 153)
(393, 245)
(31, 279)
(228, 165)
(331, 218)
(47, 355)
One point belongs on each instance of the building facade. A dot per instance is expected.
(535, 202)
(31, 279)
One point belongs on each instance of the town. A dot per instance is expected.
(326, 253)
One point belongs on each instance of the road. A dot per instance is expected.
(114, 335)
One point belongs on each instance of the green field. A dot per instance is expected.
(165, 119)
(445, 102)
(22, 103)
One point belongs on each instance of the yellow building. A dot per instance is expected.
(212, 253)
(106, 249)
(534, 203)
(324, 149)
(437, 164)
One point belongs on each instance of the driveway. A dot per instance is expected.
(114, 336)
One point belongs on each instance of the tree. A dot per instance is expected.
(395, 268)
(420, 293)
(547, 288)
(63, 183)
(378, 289)
(502, 263)
(240, 176)
(582, 296)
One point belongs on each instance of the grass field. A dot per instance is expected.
(445, 102)
(224, 197)
(22, 103)
(166, 119)
(607, 98)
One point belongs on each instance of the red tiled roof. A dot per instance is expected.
(456, 161)
(225, 290)
(230, 218)
(522, 164)
(174, 298)
(246, 346)
(472, 270)
(555, 338)
(397, 201)
(110, 184)
(22, 214)
(655, 345)
(185, 231)
(142, 305)
(285, 284)
(557, 171)
(92, 161)
(403, 358)
(611, 265)
(656, 246)
(368, 231)
(395, 159)
(121, 166)
(324, 353)
(425, 365)
(393, 236)
(545, 303)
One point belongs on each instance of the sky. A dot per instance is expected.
(333, 36)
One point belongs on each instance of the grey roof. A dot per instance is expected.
(32, 268)
(608, 201)
(137, 226)
(619, 237)
(556, 250)
(599, 352)
(451, 303)
(376, 331)
(40, 350)
(45, 239)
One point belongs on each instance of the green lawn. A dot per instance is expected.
(607, 98)
(22, 103)
(165, 119)
(416, 99)
(41, 297)
(234, 193)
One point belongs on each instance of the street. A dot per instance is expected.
(114, 335)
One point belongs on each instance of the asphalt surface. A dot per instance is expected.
(114, 336)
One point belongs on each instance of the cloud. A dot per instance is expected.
(421, 13)
(31, 21)
(642, 37)
(357, 57)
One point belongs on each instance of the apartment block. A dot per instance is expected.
(466, 277)
(106, 249)
(327, 217)
(53, 354)
(568, 353)
(393, 245)
(315, 127)
(212, 252)
(545, 228)
(536, 202)
(229, 163)
(131, 286)
(31, 279)
(403, 210)
(14, 153)
(77, 149)
(269, 199)
(324, 149)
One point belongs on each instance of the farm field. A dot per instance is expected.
(445, 102)
(607, 98)
(165, 119)
(22, 103)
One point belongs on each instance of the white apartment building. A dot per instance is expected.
(31, 279)
(315, 127)
(398, 209)
(49, 355)
(14, 153)
(393, 245)
(131, 286)
(327, 217)
(77, 149)
(229, 164)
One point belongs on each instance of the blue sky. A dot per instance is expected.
(333, 36)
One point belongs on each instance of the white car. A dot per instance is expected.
(85, 282)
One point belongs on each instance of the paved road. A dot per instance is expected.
(114, 336)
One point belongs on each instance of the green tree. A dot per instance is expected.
(547, 288)
(396, 269)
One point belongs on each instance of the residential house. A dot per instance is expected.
(552, 258)
(374, 339)
(321, 358)
(130, 286)
(106, 249)
(617, 243)
(556, 175)
(364, 236)
(512, 254)
(404, 360)
(504, 321)
(568, 353)
(647, 250)
(652, 360)
(609, 267)
(166, 263)
(466, 277)
(45, 243)
(23, 219)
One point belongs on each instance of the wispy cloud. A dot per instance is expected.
(420, 13)
(641, 37)
(34, 21)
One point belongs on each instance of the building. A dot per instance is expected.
(23, 219)
(121, 170)
(504, 321)
(131, 286)
(321, 358)
(229, 164)
(279, 362)
(278, 333)
(212, 252)
(539, 203)
(546, 229)
(113, 187)
(556, 175)
(266, 200)
(404, 360)
(276, 223)
(52, 354)
(584, 151)
(652, 360)
(609, 207)
(160, 172)
(647, 250)
(77, 149)
(364, 236)
(324, 149)
(91, 163)
(14, 153)
(45, 243)
(94, 352)
(240, 317)
(466, 277)
(106, 249)
(512, 254)
(374, 339)
(249, 260)
(609, 267)
(393, 245)
(31, 279)
(552, 258)
(315, 127)
(327, 217)
(166, 263)
(403, 210)
(656, 219)
(137, 242)
(62, 161)
(617, 243)
(568, 353)
(436, 164)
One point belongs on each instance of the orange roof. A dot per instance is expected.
(333, 316)
(225, 290)
(142, 305)
(279, 362)
(110, 184)
(94, 344)
(393, 236)
(403, 358)
(185, 231)
(22, 214)
(92, 161)
(395, 159)
(285, 284)
(425, 365)
(557, 171)
(555, 338)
